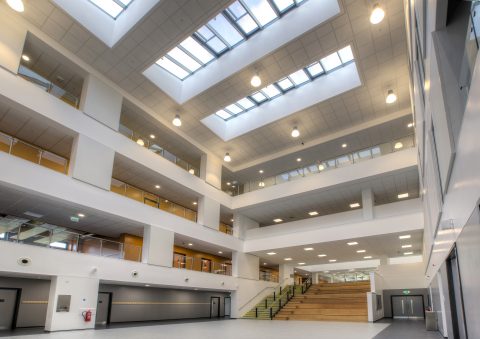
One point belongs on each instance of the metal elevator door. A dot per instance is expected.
(407, 307)
(102, 309)
(8, 300)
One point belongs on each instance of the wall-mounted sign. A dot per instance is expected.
(406, 292)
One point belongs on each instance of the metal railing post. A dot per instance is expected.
(266, 303)
(274, 296)
(271, 313)
(256, 312)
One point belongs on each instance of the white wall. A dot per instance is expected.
(208, 213)
(245, 265)
(402, 276)
(376, 284)
(12, 38)
(157, 246)
(211, 170)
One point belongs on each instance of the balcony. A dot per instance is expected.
(26, 151)
(212, 264)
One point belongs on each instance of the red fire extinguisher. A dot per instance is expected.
(87, 315)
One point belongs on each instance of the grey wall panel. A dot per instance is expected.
(131, 303)
(33, 290)
(437, 302)
(387, 298)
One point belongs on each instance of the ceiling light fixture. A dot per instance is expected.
(195, 203)
(152, 136)
(228, 183)
(271, 253)
(361, 251)
(403, 196)
(406, 236)
(391, 97)
(25, 58)
(278, 220)
(191, 171)
(344, 145)
(321, 167)
(190, 244)
(299, 159)
(301, 263)
(322, 255)
(227, 157)
(157, 187)
(16, 5)
(81, 215)
(261, 184)
(398, 145)
(308, 249)
(295, 132)
(287, 259)
(377, 15)
(333, 260)
(406, 246)
(408, 253)
(256, 81)
(140, 142)
(261, 171)
(410, 125)
(177, 121)
(312, 213)
(368, 257)
(352, 243)
(220, 252)
(354, 205)
(232, 220)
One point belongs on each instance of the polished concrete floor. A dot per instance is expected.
(251, 329)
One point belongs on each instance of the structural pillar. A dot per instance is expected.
(286, 274)
(367, 204)
(241, 224)
(208, 213)
(157, 246)
(69, 297)
(211, 170)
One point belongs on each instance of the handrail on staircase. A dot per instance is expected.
(263, 290)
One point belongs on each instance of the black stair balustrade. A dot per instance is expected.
(256, 312)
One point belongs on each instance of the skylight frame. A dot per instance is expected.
(120, 3)
(226, 13)
(284, 91)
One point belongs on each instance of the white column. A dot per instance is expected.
(208, 212)
(245, 265)
(241, 224)
(101, 102)
(12, 39)
(91, 162)
(157, 246)
(286, 274)
(315, 278)
(211, 170)
(367, 204)
(83, 294)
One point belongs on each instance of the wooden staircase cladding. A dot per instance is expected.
(329, 302)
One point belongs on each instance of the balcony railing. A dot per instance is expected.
(268, 276)
(203, 265)
(48, 86)
(155, 148)
(32, 153)
(226, 228)
(59, 238)
(234, 188)
(153, 200)
(344, 277)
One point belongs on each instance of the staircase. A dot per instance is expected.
(324, 301)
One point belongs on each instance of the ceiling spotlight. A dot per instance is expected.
(256, 81)
(232, 220)
(344, 145)
(16, 5)
(227, 157)
(308, 249)
(25, 58)
(312, 213)
(361, 251)
(195, 203)
(299, 159)
(264, 263)
(271, 253)
(391, 97)
(352, 243)
(295, 132)
(220, 252)
(406, 236)
(228, 183)
(406, 246)
(261, 171)
(368, 257)
(191, 171)
(354, 205)
(322, 255)
(321, 167)
(157, 187)
(190, 244)
(301, 263)
(81, 215)
(408, 253)
(141, 142)
(403, 196)
(278, 220)
(261, 184)
(333, 260)
(398, 145)
(176, 121)
(410, 125)
(152, 136)
(287, 259)
(377, 15)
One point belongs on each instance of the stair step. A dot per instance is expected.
(328, 312)
(322, 317)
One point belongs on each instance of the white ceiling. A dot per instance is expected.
(381, 246)
(380, 52)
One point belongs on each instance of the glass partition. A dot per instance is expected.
(341, 277)
(182, 261)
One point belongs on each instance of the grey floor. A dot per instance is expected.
(251, 329)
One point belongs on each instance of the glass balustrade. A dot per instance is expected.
(225, 228)
(201, 265)
(48, 86)
(32, 153)
(45, 235)
(472, 45)
(268, 276)
(155, 148)
(342, 277)
(234, 188)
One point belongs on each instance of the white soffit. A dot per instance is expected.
(297, 22)
(323, 88)
(342, 266)
(102, 25)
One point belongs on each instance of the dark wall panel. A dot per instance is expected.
(387, 298)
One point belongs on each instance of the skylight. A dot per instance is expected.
(224, 32)
(112, 7)
(303, 76)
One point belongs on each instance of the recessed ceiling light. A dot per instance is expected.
(152, 136)
(361, 251)
(398, 145)
(312, 213)
(157, 186)
(191, 171)
(256, 81)
(295, 132)
(368, 257)
(299, 159)
(407, 253)
(25, 57)
(271, 253)
(301, 263)
(344, 145)
(391, 97)
(232, 220)
(264, 263)
(140, 142)
(403, 196)
(410, 125)
(406, 236)
(377, 15)
(194, 203)
(406, 246)
(147, 285)
(166, 200)
(261, 171)
(326, 271)
(308, 249)
(16, 5)
(190, 244)
(322, 255)
(229, 183)
(227, 157)
(321, 167)
(177, 121)
(333, 260)
(354, 205)
(278, 220)
(81, 215)
(32, 214)
(352, 243)
(287, 259)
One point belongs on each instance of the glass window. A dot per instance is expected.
(173, 68)
(234, 109)
(283, 5)
(197, 50)
(262, 11)
(2, 235)
(184, 59)
(258, 97)
(315, 69)
(271, 91)
(224, 115)
(285, 84)
(224, 29)
(60, 245)
(243, 19)
(110, 7)
(299, 77)
(245, 103)
(330, 62)
(346, 54)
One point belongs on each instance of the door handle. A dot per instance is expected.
(411, 305)
(403, 307)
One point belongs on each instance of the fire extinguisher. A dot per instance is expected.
(87, 315)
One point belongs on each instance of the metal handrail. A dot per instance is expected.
(263, 290)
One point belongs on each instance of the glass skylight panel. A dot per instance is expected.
(285, 84)
(331, 61)
(112, 7)
(197, 50)
(315, 69)
(225, 30)
(271, 91)
(299, 77)
(214, 42)
(224, 115)
(346, 54)
(173, 68)
(245, 103)
(283, 5)
(262, 11)
(259, 97)
(184, 59)
(240, 15)
(234, 109)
